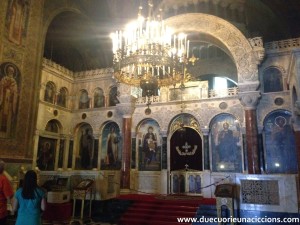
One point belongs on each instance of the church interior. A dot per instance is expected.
(127, 108)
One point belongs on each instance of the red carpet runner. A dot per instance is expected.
(160, 210)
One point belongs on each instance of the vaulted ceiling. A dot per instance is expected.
(81, 42)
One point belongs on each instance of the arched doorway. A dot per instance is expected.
(186, 150)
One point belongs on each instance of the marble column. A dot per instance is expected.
(35, 148)
(126, 153)
(206, 160)
(57, 152)
(249, 100)
(125, 109)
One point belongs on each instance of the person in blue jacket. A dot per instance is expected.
(29, 201)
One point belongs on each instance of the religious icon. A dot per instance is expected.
(84, 101)
(46, 154)
(149, 144)
(16, 20)
(280, 145)
(98, 98)
(111, 147)
(226, 144)
(86, 148)
(9, 98)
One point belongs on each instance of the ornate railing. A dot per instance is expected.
(220, 93)
(223, 92)
(57, 67)
(282, 45)
(84, 74)
(144, 100)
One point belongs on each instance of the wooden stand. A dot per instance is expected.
(225, 197)
(228, 202)
(80, 193)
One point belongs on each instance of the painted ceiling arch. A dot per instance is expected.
(237, 44)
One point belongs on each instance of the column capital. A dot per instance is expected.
(126, 106)
(249, 99)
(258, 48)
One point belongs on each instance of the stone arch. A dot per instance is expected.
(54, 126)
(232, 39)
(51, 15)
(183, 120)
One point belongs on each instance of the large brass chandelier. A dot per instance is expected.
(148, 54)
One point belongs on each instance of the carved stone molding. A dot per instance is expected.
(236, 43)
(258, 47)
(249, 99)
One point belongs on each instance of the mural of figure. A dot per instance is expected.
(16, 20)
(149, 146)
(283, 139)
(49, 93)
(86, 149)
(112, 147)
(61, 98)
(8, 100)
(45, 160)
(98, 99)
(113, 96)
(84, 100)
(226, 144)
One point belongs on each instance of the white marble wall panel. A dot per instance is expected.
(287, 193)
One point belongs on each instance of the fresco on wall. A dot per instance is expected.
(17, 20)
(149, 144)
(272, 80)
(280, 148)
(86, 148)
(113, 96)
(49, 95)
(111, 154)
(98, 98)
(84, 101)
(46, 153)
(62, 97)
(226, 142)
(10, 84)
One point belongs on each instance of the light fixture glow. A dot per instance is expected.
(148, 50)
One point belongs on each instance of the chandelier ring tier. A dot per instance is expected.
(148, 54)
